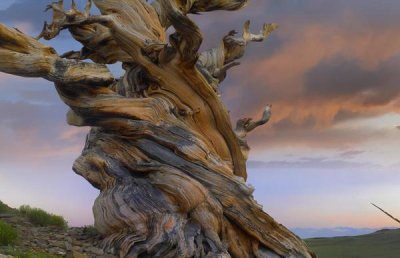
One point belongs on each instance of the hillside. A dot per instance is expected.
(4, 208)
(33, 233)
(307, 233)
(382, 244)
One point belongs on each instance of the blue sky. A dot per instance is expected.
(5, 3)
(331, 148)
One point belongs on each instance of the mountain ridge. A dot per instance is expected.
(309, 232)
(384, 243)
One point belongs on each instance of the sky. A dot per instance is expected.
(331, 72)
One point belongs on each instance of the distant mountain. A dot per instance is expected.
(381, 244)
(331, 232)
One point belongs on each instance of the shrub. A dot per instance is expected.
(26, 254)
(5, 209)
(90, 230)
(41, 218)
(8, 234)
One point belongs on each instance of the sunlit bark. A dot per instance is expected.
(162, 151)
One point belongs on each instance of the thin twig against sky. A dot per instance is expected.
(387, 213)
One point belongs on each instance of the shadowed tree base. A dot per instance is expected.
(162, 151)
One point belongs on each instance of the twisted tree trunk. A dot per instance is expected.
(162, 151)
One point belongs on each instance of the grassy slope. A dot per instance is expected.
(381, 244)
(4, 208)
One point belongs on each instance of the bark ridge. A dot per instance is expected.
(170, 167)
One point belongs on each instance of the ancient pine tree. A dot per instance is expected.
(170, 167)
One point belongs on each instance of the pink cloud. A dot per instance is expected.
(283, 73)
(72, 133)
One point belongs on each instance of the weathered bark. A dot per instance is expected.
(162, 151)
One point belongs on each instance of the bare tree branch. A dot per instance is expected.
(387, 213)
(25, 56)
(246, 125)
(218, 60)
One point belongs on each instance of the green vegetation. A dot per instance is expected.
(25, 254)
(8, 234)
(90, 230)
(4, 208)
(382, 244)
(41, 218)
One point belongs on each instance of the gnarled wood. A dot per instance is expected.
(162, 151)
(218, 60)
(24, 56)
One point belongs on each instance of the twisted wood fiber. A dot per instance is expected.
(162, 151)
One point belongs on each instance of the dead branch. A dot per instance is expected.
(387, 213)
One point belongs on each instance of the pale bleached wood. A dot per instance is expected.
(246, 125)
(24, 56)
(218, 60)
(170, 168)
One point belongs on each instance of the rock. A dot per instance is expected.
(42, 245)
(57, 251)
(6, 215)
(86, 245)
(6, 256)
(76, 254)
(68, 239)
(57, 244)
(94, 250)
(75, 242)
(68, 246)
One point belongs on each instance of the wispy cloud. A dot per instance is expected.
(27, 13)
(311, 163)
(33, 127)
(350, 154)
(328, 61)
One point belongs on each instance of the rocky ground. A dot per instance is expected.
(71, 243)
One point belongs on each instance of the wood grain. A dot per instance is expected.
(170, 168)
